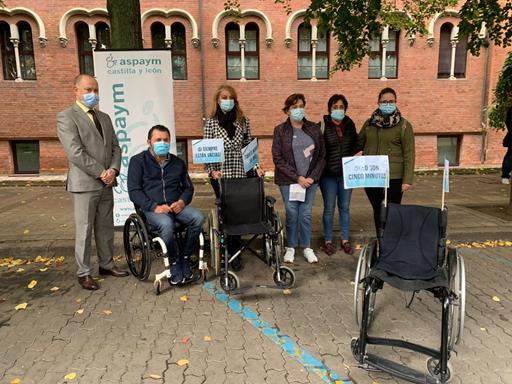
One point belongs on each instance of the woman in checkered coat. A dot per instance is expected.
(227, 122)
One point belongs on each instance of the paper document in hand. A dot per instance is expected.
(297, 193)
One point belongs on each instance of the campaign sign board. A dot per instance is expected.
(207, 151)
(366, 172)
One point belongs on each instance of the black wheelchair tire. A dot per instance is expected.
(233, 282)
(134, 228)
(287, 277)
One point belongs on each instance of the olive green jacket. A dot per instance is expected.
(397, 142)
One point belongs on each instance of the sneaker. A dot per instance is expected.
(504, 180)
(347, 248)
(289, 255)
(176, 274)
(187, 272)
(310, 255)
(329, 248)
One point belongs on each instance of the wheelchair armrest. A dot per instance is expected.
(270, 200)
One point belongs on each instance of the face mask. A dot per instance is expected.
(297, 114)
(161, 148)
(91, 99)
(387, 108)
(227, 105)
(338, 114)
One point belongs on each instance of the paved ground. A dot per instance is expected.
(125, 334)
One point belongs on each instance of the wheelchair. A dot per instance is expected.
(142, 245)
(411, 255)
(244, 210)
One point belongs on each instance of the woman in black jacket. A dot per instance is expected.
(506, 167)
(340, 138)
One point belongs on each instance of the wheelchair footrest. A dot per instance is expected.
(398, 370)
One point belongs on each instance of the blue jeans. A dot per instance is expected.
(164, 224)
(298, 217)
(332, 191)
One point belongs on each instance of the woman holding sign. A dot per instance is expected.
(386, 132)
(340, 138)
(298, 154)
(228, 122)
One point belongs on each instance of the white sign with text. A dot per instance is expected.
(366, 172)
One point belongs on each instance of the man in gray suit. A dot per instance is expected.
(94, 156)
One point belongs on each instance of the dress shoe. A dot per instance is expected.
(113, 272)
(87, 282)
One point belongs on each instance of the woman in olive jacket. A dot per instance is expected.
(386, 132)
(298, 154)
(340, 138)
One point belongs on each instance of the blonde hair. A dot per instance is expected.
(215, 102)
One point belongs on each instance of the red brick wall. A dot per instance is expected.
(432, 105)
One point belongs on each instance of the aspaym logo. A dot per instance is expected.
(132, 65)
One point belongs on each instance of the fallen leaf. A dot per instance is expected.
(185, 340)
(70, 376)
(43, 269)
(20, 270)
(184, 298)
(21, 306)
(483, 329)
(496, 299)
(26, 232)
(40, 259)
(32, 284)
(207, 338)
(16, 380)
(107, 312)
(287, 292)
(63, 225)
(78, 300)
(182, 362)
(58, 264)
(80, 311)
(53, 289)
(155, 376)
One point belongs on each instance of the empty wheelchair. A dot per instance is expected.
(243, 209)
(411, 255)
(142, 245)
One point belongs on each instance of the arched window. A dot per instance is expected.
(7, 51)
(179, 51)
(449, 49)
(384, 51)
(158, 35)
(304, 57)
(233, 58)
(252, 52)
(26, 50)
(102, 36)
(84, 48)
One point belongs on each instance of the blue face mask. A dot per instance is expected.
(297, 114)
(387, 108)
(227, 105)
(90, 99)
(338, 114)
(161, 148)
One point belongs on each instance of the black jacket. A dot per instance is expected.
(336, 149)
(150, 185)
(507, 140)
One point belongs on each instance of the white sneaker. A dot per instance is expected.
(505, 181)
(289, 255)
(310, 255)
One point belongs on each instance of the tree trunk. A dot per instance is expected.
(125, 24)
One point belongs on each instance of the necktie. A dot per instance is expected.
(96, 121)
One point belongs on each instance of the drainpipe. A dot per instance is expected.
(201, 47)
(485, 104)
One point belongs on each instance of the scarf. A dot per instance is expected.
(381, 120)
(226, 121)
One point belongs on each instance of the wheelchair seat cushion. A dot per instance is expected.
(440, 280)
(409, 245)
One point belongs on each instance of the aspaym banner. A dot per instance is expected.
(136, 91)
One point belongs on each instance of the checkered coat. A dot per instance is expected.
(233, 165)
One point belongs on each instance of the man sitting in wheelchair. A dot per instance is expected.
(159, 185)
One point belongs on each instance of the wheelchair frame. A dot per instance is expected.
(151, 246)
(452, 301)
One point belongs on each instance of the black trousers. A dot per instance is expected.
(376, 196)
(506, 167)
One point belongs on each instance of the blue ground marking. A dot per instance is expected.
(284, 342)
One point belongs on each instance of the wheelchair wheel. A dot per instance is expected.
(362, 270)
(267, 248)
(278, 226)
(232, 282)
(286, 277)
(213, 227)
(433, 370)
(137, 247)
(458, 305)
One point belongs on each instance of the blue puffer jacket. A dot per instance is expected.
(150, 184)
